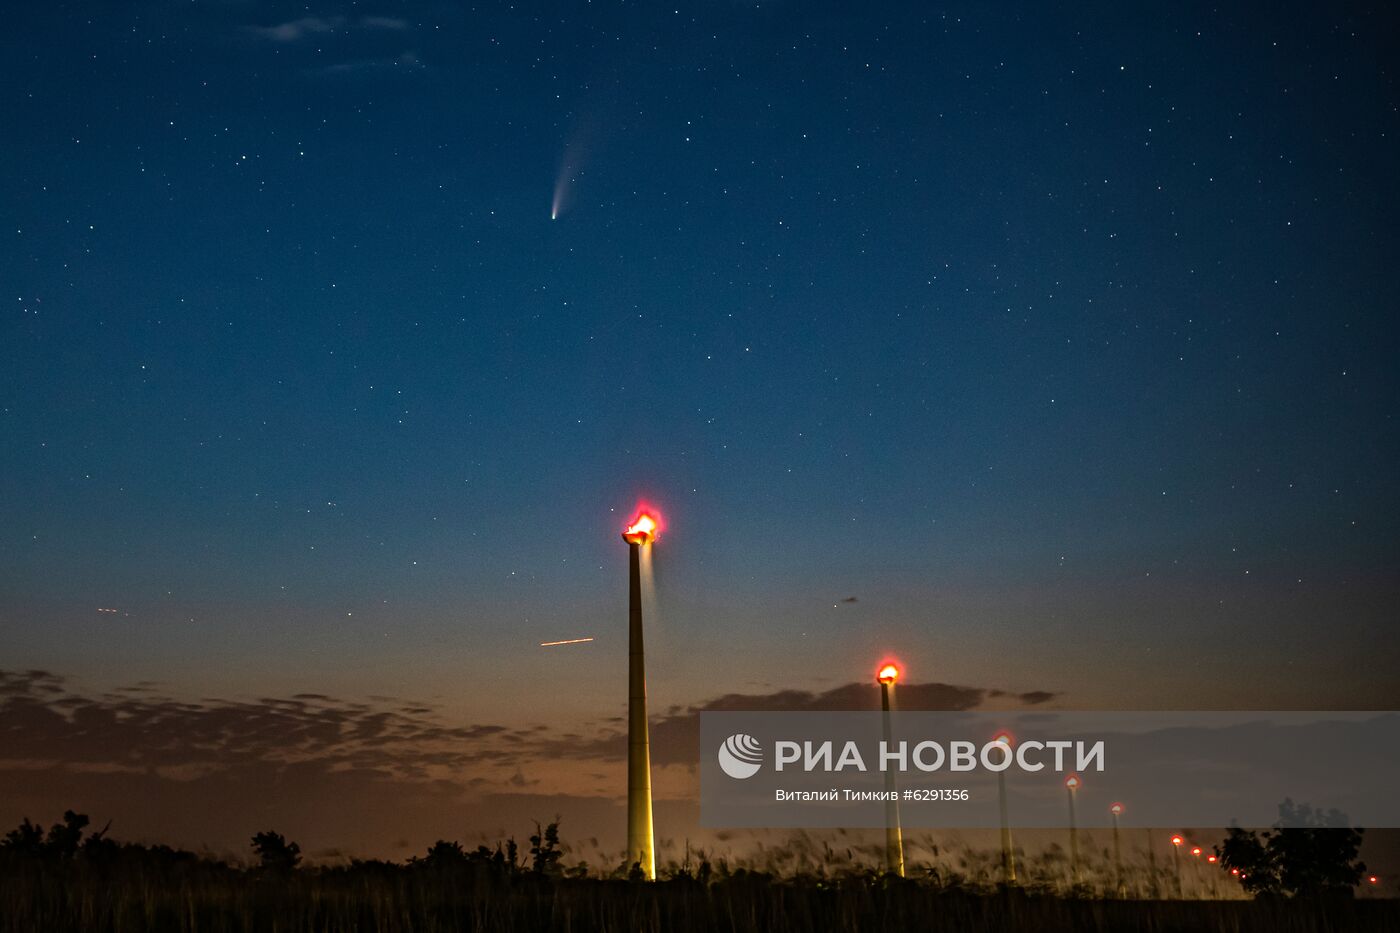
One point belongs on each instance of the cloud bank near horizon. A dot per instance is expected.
(374, 777)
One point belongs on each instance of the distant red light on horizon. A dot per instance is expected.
(887, 674)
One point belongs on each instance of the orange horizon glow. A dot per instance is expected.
(888, 673)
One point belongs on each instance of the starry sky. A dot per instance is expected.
(1047, 348)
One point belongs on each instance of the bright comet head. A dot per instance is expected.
(641, 531)
(887, 674)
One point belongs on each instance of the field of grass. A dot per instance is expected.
(199, 897)
(62, 881)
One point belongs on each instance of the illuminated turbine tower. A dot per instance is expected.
(1008, 854)
(894, 838)
(1072, 787)
(1118, 882)
(640, 839)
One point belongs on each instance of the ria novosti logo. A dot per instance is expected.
(740, 756)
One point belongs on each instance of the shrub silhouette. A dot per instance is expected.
(545, 851)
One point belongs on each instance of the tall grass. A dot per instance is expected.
(202, 897)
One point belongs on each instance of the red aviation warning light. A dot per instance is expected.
(887, 674)
(642, 530)
(1072, 782)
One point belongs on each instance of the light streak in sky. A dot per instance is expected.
(566, 641)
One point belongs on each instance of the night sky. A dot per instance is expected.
(1050, 349)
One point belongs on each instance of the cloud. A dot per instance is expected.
(297, 29)
(384, 22)
(142, 731)
(675, 737)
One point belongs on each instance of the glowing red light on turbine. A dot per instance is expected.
(642, 530)
(1374, 880)
(1234, 871)
(1196, 851)
(1072, 782)
(1211, 859)
(1177, 840)
(887, 674)
(1116, 809)
(1002, 738)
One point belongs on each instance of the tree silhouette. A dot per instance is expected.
(1308, 854)
(275, 854)
(444, 854)
(63, 840)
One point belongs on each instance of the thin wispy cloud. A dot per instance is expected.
(384, 22)
(297, 29)
(408, 61)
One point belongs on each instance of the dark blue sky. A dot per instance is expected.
(1061, 337)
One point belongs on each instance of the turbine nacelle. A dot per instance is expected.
(642, 530)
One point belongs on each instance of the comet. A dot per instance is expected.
(561, 199)
(566, 641)
(573, 164)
